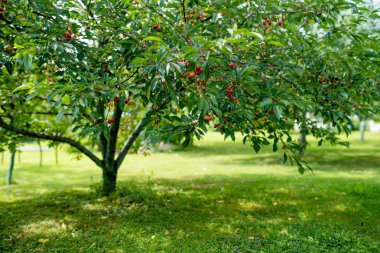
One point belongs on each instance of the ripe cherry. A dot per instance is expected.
(190, 75)
(88, 27)
(67, 36)
(231, 65)
(208, 118)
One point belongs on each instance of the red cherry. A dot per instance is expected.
(155, 26)
(231, 65)
(208, 118)
(67, 36)
(88, 27)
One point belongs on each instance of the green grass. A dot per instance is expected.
(215, 197)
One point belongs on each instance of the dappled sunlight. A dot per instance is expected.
(45, 227)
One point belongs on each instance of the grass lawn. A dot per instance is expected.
(215, 197)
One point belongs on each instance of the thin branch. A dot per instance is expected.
(43, 15)
(167, 20)
(129, 142)
(184, 10)
(129, 78)
(51, 137)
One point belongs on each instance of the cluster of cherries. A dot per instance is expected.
(266, 22)
(115, 102)
(230, 91)
(157, 28)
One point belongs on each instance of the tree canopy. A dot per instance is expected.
(109, 68)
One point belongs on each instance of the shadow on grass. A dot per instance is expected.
(212, 214)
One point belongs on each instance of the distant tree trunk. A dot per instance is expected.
(363, 124)
(19, 156)
(302, 141)
(40, 148)
(11, 164)
(2, 157)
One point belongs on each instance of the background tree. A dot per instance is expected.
(240, 66)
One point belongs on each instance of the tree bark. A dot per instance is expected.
(363, 125)
(302, 141)
(11, 165)
(109, 181)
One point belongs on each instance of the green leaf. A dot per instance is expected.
(153, 38)
(60, 115)
(257, 35)
(301, 169)
(23, 87)
(266, 102)
(66, 99)
(256, 147)
(28, 62)
(285, 157)
(276, 43)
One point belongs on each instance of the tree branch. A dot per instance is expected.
(184, 10)
(129, 142)
(56, 138)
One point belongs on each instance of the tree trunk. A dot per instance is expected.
(2, 157)
(40, 147)
(109, 181)
(302, 141)
(11, 165)
(363, 125)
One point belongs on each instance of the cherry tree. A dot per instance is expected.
(158, 69)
